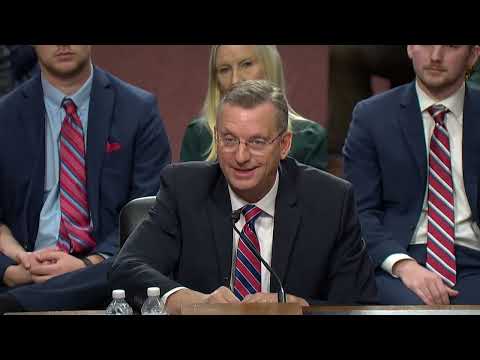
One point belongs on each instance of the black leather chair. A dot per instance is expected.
(132, 214)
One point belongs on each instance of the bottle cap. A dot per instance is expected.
(153, 291)
(118, 294)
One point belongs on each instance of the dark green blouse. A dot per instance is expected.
(475, 79)
(309, 142)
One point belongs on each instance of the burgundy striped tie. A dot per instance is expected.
(75, 231)
(441, 216)
(248, 278)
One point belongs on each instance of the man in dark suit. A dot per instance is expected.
(302, 220)
(77, 144)
(412, 157)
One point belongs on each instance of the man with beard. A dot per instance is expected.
(412, 155)
(77, 144)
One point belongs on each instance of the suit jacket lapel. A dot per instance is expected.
(411, 123)
(219, 211)
(32, 118)
(99, 119)
(471, 149)
(287, 220)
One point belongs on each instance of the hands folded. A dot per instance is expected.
(222, 295)
(225, 295)
(40, 266)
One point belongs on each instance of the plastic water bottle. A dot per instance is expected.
(119, 305)
(153, 305)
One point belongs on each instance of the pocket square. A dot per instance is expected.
(111, 147)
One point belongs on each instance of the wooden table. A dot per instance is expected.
(275, 309)
(393, 310)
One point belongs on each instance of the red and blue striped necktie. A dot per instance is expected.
(248, 278)
(441, 210)
(75, 235)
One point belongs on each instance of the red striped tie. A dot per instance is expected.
(75, 231)
(248, 278)
(441, 216)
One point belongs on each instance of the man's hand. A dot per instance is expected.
(27, 259)
(427, 285)
(273, 298)
(222, 295)
(16, 275)
(53, 263)
(9, 246)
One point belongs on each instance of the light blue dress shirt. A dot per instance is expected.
(49, 224)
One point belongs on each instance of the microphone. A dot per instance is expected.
(281, 293)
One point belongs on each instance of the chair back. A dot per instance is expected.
(132, 215)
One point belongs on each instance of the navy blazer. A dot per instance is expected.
(386, 161)
(187, 239)
(119, 114)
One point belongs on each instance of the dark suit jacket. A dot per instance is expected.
(119, 113)
(187, 239)
(386, 161)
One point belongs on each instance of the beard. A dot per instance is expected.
(65, 73)
(440, 85)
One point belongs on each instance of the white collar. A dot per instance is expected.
(454, 102)
(267, 203)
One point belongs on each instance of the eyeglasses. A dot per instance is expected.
(256, 145)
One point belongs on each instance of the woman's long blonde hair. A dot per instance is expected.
(272, 65)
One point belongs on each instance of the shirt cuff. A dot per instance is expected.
(171, 292)
(390, 261)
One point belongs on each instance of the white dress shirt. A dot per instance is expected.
(466, 230)
(263, 227)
